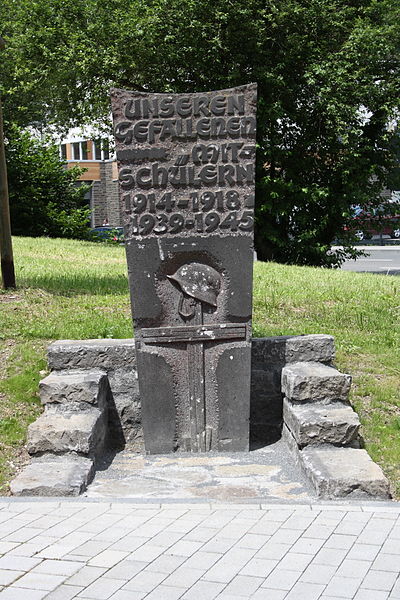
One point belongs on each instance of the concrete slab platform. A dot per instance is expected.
(260, 475)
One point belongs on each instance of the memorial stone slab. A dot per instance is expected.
(186, 177)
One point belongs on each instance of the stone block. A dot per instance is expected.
(279, 350)
(75, 387)
(54, 476)
(103, 354)
(314, 382)
(63, 431)
(310, 348)
(124, 381)
(318, 423)
(343, 472)
(125, 422)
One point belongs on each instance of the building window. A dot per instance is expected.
(76, 155)
(97, 149)
(101, 149)
(63, 151)
(84, 150)
(106, 149)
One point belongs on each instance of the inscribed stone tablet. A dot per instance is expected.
(186, 176)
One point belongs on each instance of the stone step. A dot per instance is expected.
(50, 475)
(314, 382)
(343, 472)
(64, 431)
(75, 387)
(107, 354)
(320, 423)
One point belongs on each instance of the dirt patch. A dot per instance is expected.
(10, 298)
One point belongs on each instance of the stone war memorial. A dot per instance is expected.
(193, 380)
(186, 172)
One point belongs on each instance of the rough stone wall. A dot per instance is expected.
(112, 196)
(105, 198)
(117, 358)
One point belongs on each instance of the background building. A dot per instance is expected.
(91, 151)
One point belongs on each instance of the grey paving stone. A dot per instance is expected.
(108, 558)
(354, 568)
(343, 587)
(395, 593)
(329, 556)
(166, 563)
(322, 532)
(165, 592)
(22, 535)
(206, 590)
(307, 545)
(201, 560)
(41, 581)
(101, 589)
(183, 577)
(184, 548)
(285, 536)
(293, 561)
(18, 563)
(379, 580)
(18, 593)
(8, 576)
(145, 581)
(269, 594)
(253, 540)
(64, 592)
(259, 567)
(343, 542)
(364, 594)
(391, 547)
(86, 575)
(201, 534)
(91, 548)
(148, 553)
(349, 528)
(230, 565)
(129, 543)
(272, 550)
(281, 579)
(301, 590)
(320, 574)
(243, 585)
(226, 596)
(30, 549)
(126, 569)
(57, 567)
(363, 552)
(298, 522)
(125, 595)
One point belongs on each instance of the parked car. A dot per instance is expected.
(365, 224)
(108, 234)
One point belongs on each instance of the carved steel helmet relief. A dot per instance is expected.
(200, 282)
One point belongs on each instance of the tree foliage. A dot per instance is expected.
(44, 197)
(328, 77)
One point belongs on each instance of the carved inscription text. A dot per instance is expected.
(186, 163)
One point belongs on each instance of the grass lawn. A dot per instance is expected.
(78, 290)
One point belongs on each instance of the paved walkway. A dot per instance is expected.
(120, 550)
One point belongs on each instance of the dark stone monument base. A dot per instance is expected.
(296, 394)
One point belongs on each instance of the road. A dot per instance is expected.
(380, 259)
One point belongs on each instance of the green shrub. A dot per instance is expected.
(44, 196)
